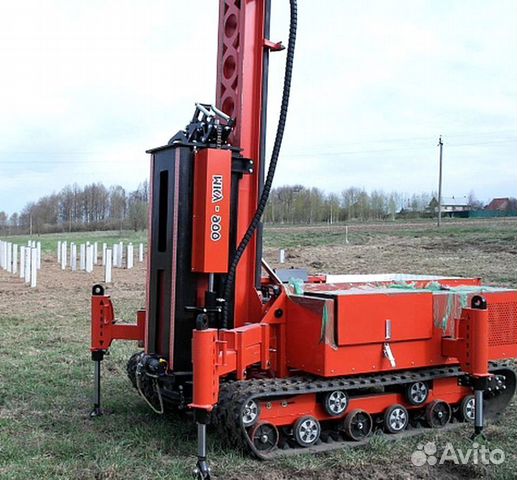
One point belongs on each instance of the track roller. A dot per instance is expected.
(396, 419)
(336, 403)
(264, 437)
(438, 414)
(307, 431)
(417, 393)
(250, 413)
(468, 409)
(357, 425)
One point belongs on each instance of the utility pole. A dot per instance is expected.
(440, 144)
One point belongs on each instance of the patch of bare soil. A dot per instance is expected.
(405, 254)
(61, 292)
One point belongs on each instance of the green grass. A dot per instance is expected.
(481, 231)
(49, 241)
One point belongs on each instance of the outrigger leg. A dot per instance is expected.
(202, 470)
(97, 357)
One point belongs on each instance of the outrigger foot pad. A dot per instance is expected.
(202, 470)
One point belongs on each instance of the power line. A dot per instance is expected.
(422, 141)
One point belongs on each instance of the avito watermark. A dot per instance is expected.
(477, 454)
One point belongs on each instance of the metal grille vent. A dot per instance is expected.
(502, 324)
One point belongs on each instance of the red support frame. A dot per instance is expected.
(105, 328)
(216, 353)
(470, 345)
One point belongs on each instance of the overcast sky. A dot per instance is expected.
(88, 86)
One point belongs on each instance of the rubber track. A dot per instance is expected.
(234, 395)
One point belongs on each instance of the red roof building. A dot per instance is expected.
(499, 204)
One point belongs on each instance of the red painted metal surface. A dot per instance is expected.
(104, 327)
(470, 346)
(211, 216)
(363, 319)
(283, 413)
(239, 94)
(205, 381)
(312, 322)
(326, 332)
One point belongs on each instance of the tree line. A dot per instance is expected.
(299, 204)
(76, 208)
(96, 207)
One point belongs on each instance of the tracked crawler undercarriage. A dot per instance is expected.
(263, 416)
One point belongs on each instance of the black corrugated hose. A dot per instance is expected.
(230, 279)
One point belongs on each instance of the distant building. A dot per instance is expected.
(501, 205)
(451, 206)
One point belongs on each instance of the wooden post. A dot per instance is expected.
(59, 251)
(141, 252)
(95, 252)
(282, 255)
(440, 144)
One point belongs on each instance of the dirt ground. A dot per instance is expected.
(475, 248)
(45, 372)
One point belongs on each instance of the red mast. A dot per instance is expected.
(241, 93)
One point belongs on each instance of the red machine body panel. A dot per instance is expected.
(365, 316)
(211, 211)
(344, 332)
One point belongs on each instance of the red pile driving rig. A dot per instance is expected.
(283, 367)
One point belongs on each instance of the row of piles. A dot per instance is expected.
(21, 260)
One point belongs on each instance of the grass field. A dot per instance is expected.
(46, 373)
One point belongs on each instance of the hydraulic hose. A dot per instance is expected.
(230, 279)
